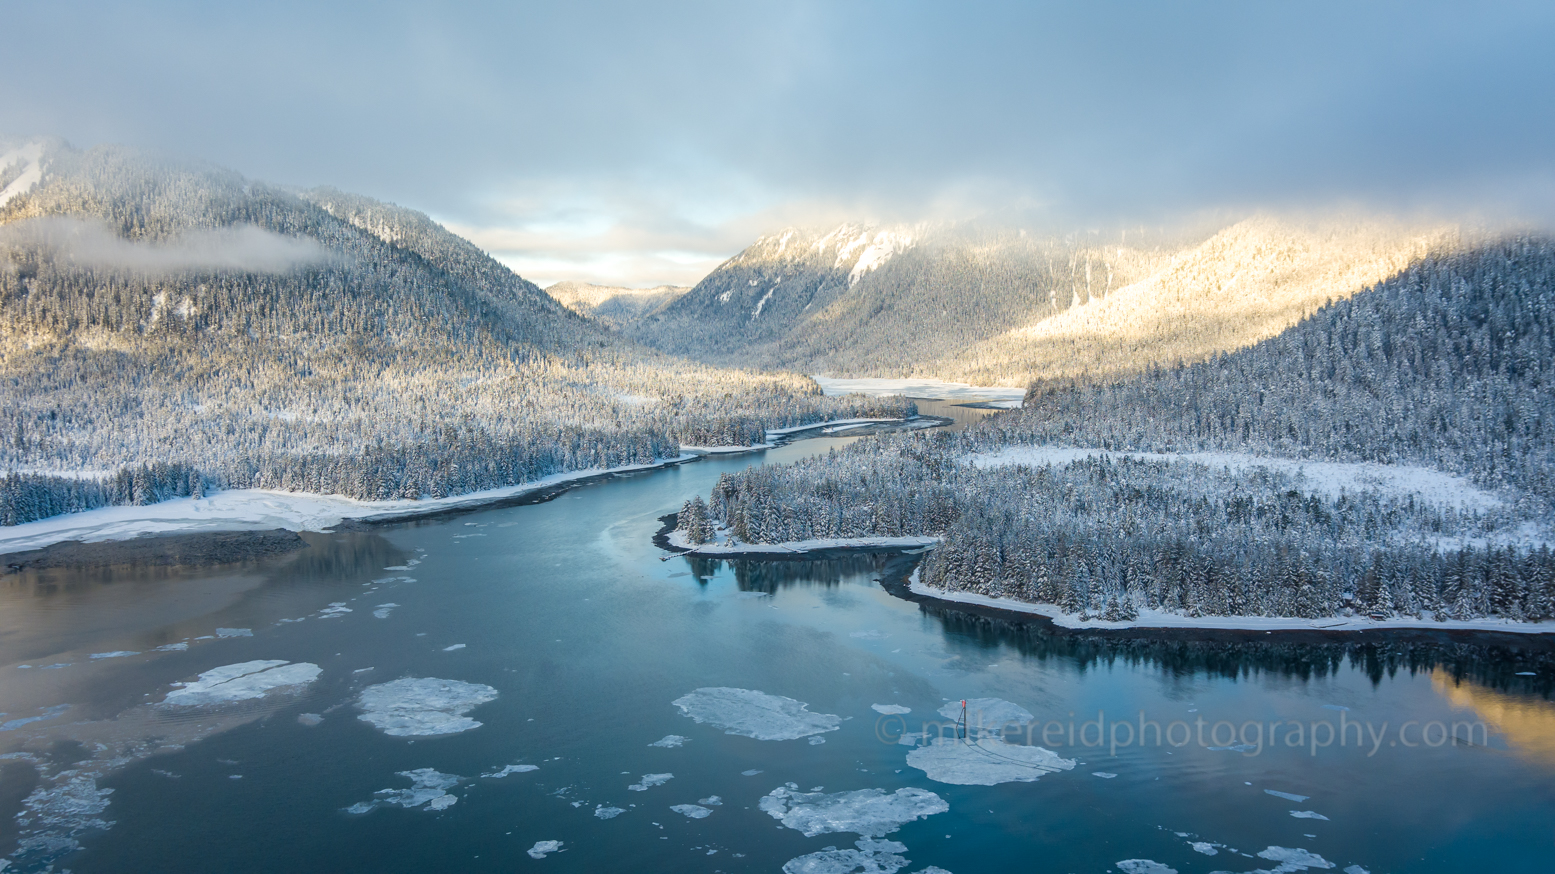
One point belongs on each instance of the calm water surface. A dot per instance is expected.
(566, 609)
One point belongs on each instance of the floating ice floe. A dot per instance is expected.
(890, 709)
(428, 788)
(867, 812)
(985, 761)
(1294, 859)
(58, 813)
(1204, 847)
(871, 857)
(987, 714)
(711, 801)
(542, 848)
(454, 647)
(1235, 748)
(383, 610)
(1105, 775)
(235, 632)
(608, 812)
(755, 714)
(422, 706)
(1144, 866)
(512, 769)
(751, 773)
(1308, 814)
(816, 739)
(309, 719)
(173, 647)
(693, 811)
(1286, 795)
(649, 781)
(116, 654)
(868, 634)
(669, 741)
(337, 608)
(243, 681)
(47, 713)
(1356, 869)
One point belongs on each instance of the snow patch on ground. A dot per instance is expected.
(1328, 478)
(985, 761)
(1149, 618)
(429, 789)
(242, 681)
(422, 706)
(866, 812)
(30, 156)
(755, 714)
(931, 389)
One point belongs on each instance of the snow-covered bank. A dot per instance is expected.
(262, 510)
(933, 389)
(1151, 619)
(1328, 478)
(773, 433)
(677, 539)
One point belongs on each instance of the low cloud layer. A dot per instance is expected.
(245, 248)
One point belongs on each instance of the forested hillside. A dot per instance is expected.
(211, 331)
(991, 307)
(1442, 375)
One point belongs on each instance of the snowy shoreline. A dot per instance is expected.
(1158, 620)
(269, 509)
(677, 539)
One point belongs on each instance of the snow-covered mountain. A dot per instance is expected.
(1001, 307)
(615, 306)
(876, 300)
(211, 330)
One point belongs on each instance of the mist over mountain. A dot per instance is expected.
(616, 307)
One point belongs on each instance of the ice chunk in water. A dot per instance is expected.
(649, 781)
(1144, 866)
(428, 788)
(242, 681)
(512, 769)
(751, 773)
(542, 848)
(1308, 814)
(871, 857)
(608, 812)
(669, 741)
(173, 647)
(1294, 859)
(1204, 847)
(984, 762)
(755, 714)
(1103, 774)
(867, 812)
(383, 610)
(309, 719)
(1356, 869)
(237, 632)
(454, 647)
(817, 740)
(116, 654)
(422, 706)
(987, 713)
(694, 811)
(890, 709)
(1286, 795)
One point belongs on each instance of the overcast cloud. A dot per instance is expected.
(642, 143)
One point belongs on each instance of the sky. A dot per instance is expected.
(638, 143)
